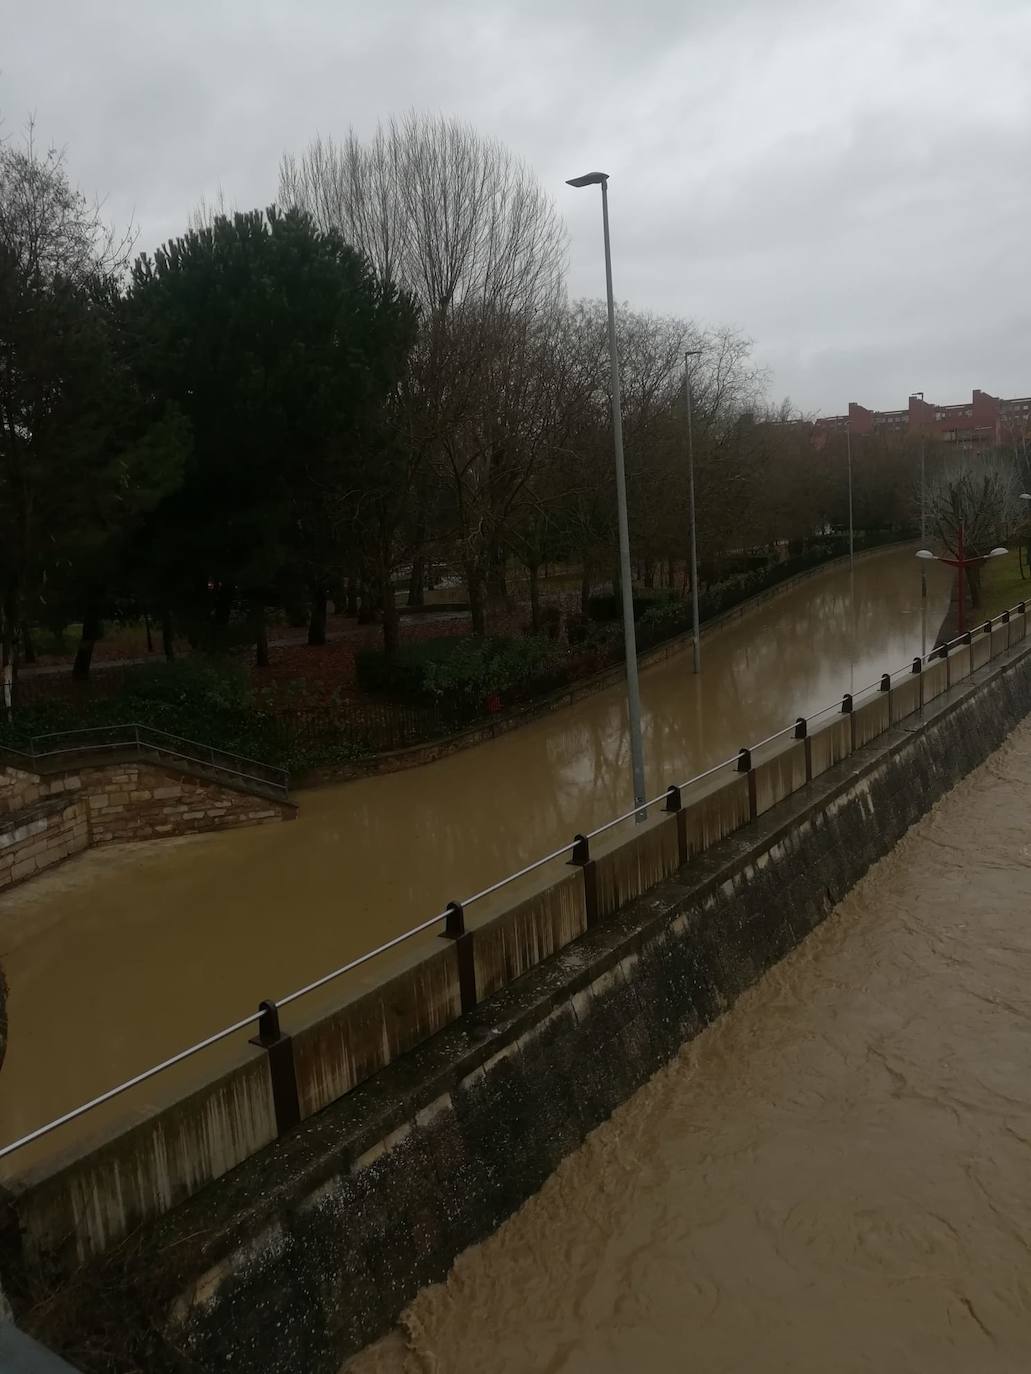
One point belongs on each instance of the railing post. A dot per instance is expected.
(581, 857)
(802, 733)
(886, 682)
(675, 805)
(282, 1070)
(744, 765)
(454, 929)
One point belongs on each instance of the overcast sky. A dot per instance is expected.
(847, 181)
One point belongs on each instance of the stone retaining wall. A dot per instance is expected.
(141, 801)
(45, 818)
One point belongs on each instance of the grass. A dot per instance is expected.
(1002, 586)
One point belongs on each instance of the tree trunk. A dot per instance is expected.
(368, 603)
(351, 597)
(417, 582)
(535, 598)
(92, 627)
(28, 649)
(585, 588)
(497, 586)
(670, 574)
(8, 666)
(150, 637)
(167, 635)
(317, 621)
(391, 618)
(477, 609)
(974, 582)
(649, 574)
(260, 637)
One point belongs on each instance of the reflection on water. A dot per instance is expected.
(833, 1177)
(132, 953)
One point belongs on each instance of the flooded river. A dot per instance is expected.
(127, 954)
(833, 1177)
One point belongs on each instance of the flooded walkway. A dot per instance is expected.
(128, 954)
(833, 1177)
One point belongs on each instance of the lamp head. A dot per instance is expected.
(589, 179)
(1025, 496)
(926, 553)
(997, 553)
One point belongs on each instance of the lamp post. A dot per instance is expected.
(851, 568)
(633, 690)
(688, 400)
(913, 396)
(961, 563)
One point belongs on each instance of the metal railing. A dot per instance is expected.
(453, 916)
(60, 745)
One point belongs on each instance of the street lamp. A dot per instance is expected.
(633, 690)
(696, 636)
(851, 568)
(961, 563)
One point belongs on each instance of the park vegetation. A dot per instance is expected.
(377, 378)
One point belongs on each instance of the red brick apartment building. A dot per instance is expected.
(982, 421)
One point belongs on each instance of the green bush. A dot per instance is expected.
(462, 674)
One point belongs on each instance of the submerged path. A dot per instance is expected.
(127, 954)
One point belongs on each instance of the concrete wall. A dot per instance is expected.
(779, 776)
(336, 1052)
(517, 940)
(830, 744)
(713, 817)
(66, 1216)
(638, 863)
(302, 1255)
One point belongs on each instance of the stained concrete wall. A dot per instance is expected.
(871, 719)
(711, 818)
(959, 663)
(934, 680)
(300, 1256)
(514, 942)
(779, 776)
(336, 1052)
(637, 864)
(103, 1196)
(905, 697)
(830, 744)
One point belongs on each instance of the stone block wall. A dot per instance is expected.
(47, 817)
(41, 835)
(140, 801)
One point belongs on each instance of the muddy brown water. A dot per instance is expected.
(125, 955)
(832, 1177)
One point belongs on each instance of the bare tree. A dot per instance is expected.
(974, 505)
(464, 226)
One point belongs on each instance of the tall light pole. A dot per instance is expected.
(923, 536)
(633, 689)
(851, 568)
(688, 399)
(961, 563)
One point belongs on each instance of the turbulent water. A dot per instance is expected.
(836, 1176)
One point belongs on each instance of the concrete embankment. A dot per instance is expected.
(311, 1247)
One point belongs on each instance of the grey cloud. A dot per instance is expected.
(844, 181)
